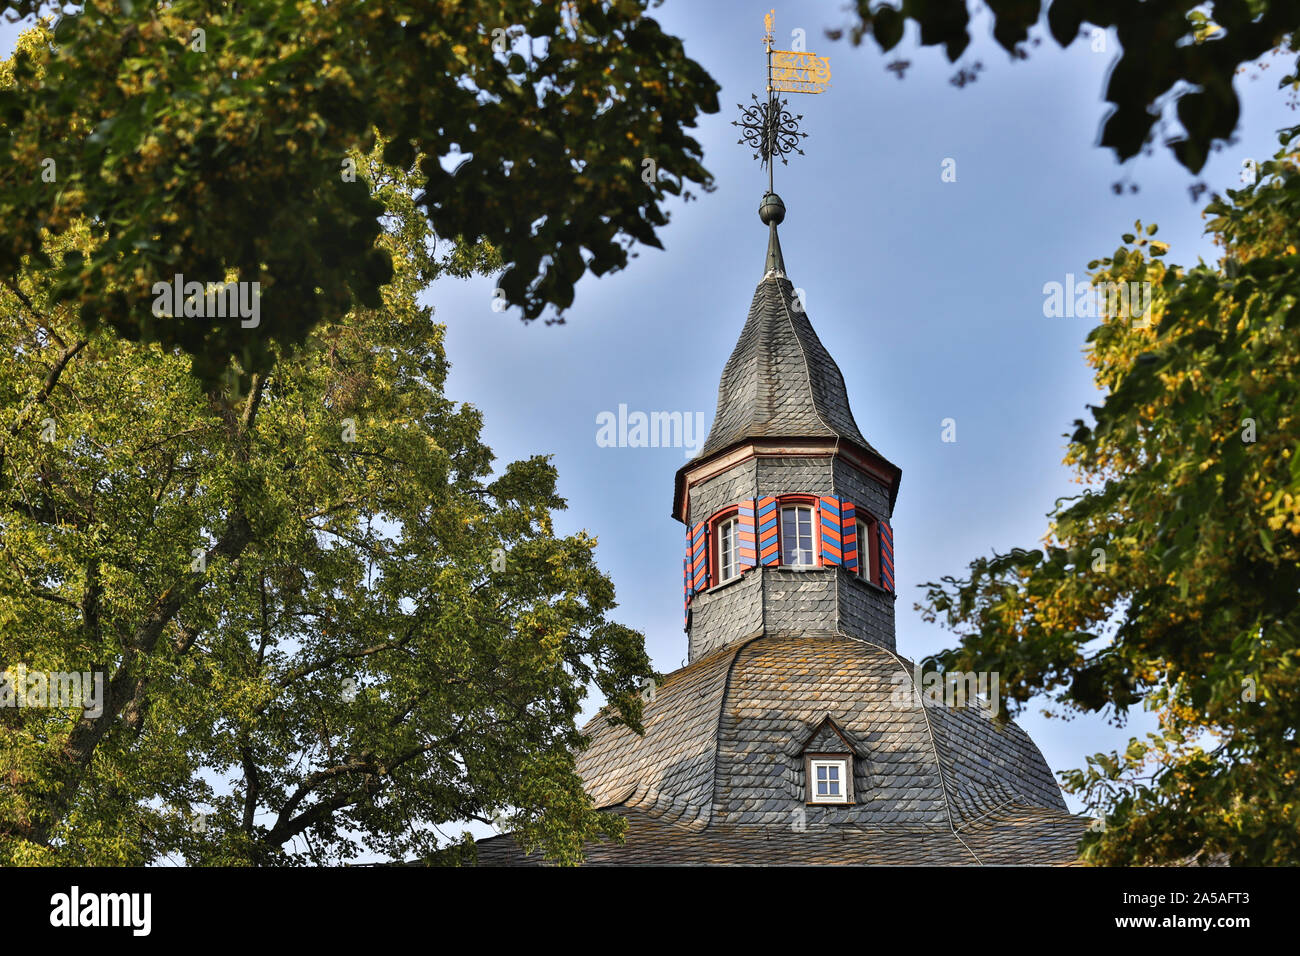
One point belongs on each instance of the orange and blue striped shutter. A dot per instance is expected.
(849, 534)
(886, 555)
(686, 568)
(699, 553)
(686, 594)
(769, 551)
(839, 523)
(832, 537)
(747, 536)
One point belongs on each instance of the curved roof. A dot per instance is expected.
(718, 775)
(780, 381)
(724, 739)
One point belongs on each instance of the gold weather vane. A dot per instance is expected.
(766, 126)
(794, 71)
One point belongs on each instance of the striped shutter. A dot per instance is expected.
(686, 594)
(832, 536)
(849, 535)
(769, 551)
(686, 568)
(699, 552)
(838, 519)
(886, 555)
(747, 537)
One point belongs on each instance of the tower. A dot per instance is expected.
(787, 506)
(796, 733)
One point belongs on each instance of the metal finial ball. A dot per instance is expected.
(771, 209)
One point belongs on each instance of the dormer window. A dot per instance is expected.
(797, 536)
(828, 765)
(728, 556)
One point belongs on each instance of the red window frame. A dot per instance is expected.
(813, 502)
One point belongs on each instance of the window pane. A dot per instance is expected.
(727, 550)
(864, 551)
(796, 536)
(828, 784)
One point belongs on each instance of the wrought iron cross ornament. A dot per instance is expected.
(769, 129)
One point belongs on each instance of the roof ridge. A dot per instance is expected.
(938, 762)
(807, 371)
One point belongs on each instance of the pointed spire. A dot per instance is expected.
(775, 264)
(772, 211)
(780, 381)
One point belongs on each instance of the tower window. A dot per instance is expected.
(797, 536)
(828, 781)
(864, 551)
(728, 549)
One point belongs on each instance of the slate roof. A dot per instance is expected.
(1022, 836)
(718, 775)
(780, 381)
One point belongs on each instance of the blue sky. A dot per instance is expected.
(929, 294)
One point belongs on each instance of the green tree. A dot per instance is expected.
(1173, 581)
(1187, 51)
(327, 624)
(208, 138)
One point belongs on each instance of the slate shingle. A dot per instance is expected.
(718, 775)
(780, 381)
(1026, 836)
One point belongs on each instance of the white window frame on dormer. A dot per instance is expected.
(728, 537)
(843, 767)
